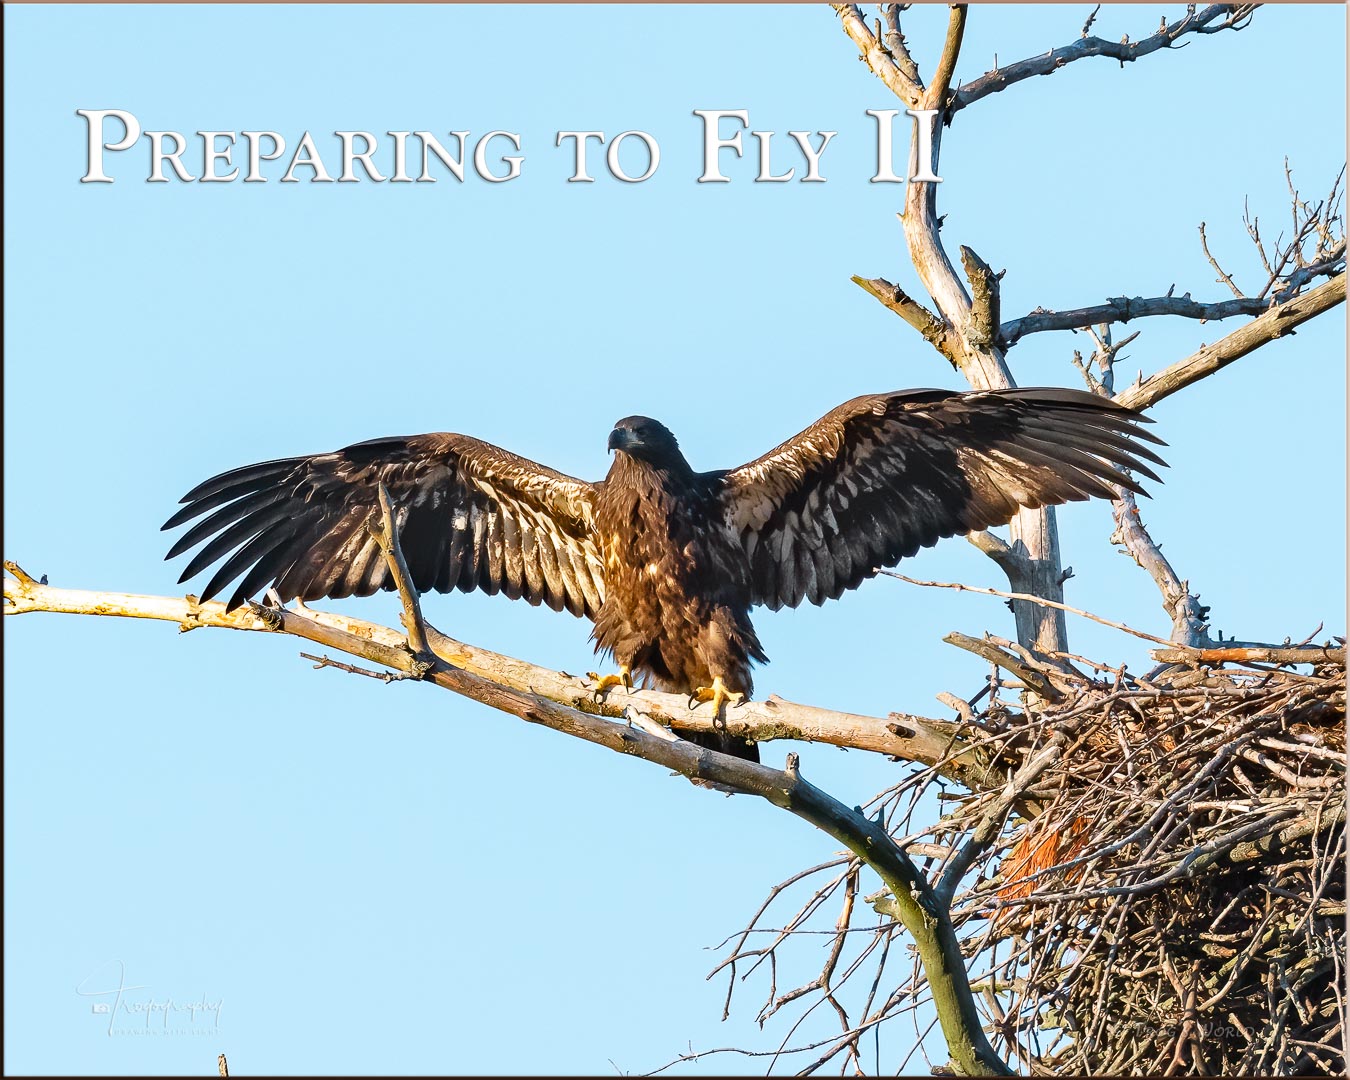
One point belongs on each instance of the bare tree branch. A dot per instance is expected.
(1211, 20)
(927, 921)
(1121, 309)
(1034, 534)
(1275, 323)
(936, 96)
(896, 45)
(875, 55)
(1190, 627)
(1302, 654)
(985, 302)
(939, 744)
(1224, 276)
(959, 587)
(1289, 269)
(386, 535)
(933, 329)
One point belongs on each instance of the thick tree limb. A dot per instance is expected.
(1275, 323)
(1211, 20)
(937, 743)
(957, 333)
(927, 921)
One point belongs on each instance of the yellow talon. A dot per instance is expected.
(718, 694)
(605, 683)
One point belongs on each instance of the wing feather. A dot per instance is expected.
(469, 515)
(884, 475)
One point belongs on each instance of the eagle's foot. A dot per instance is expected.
(718, 694)
(605, 683)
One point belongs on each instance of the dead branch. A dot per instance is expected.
(959, 587)
(386, 535)
(938, 94)
(933, 329)
(1122, 309)
(1190, 626)
(1211, 20)
(1315, 654)
(1035, 681)
(968, 343)
(1275, 323)
(936, 743)
(902, 78)
(985, 302)
(926, 920)
(894, 40)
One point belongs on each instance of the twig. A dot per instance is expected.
(959, 587)
(991, 822)
(1032, 679)
(22, 575)
(326, 662)
(1224, 276)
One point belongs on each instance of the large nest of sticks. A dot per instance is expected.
(1169, 895)
(1157, 886)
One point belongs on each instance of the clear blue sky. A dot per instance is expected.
(391, 879)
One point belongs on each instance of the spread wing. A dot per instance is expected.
(884, 475)
(469, 516)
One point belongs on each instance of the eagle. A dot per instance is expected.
(665, 561)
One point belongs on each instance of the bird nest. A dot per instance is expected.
(1168, 896)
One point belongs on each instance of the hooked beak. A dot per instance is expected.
(621, 439)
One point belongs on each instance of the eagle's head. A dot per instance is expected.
(646, 439)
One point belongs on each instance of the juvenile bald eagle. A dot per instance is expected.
(667, 562)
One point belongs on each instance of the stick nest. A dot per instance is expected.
(1170, 896)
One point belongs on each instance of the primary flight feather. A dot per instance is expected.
(666, 562)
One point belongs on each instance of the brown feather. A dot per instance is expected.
(884, 475)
